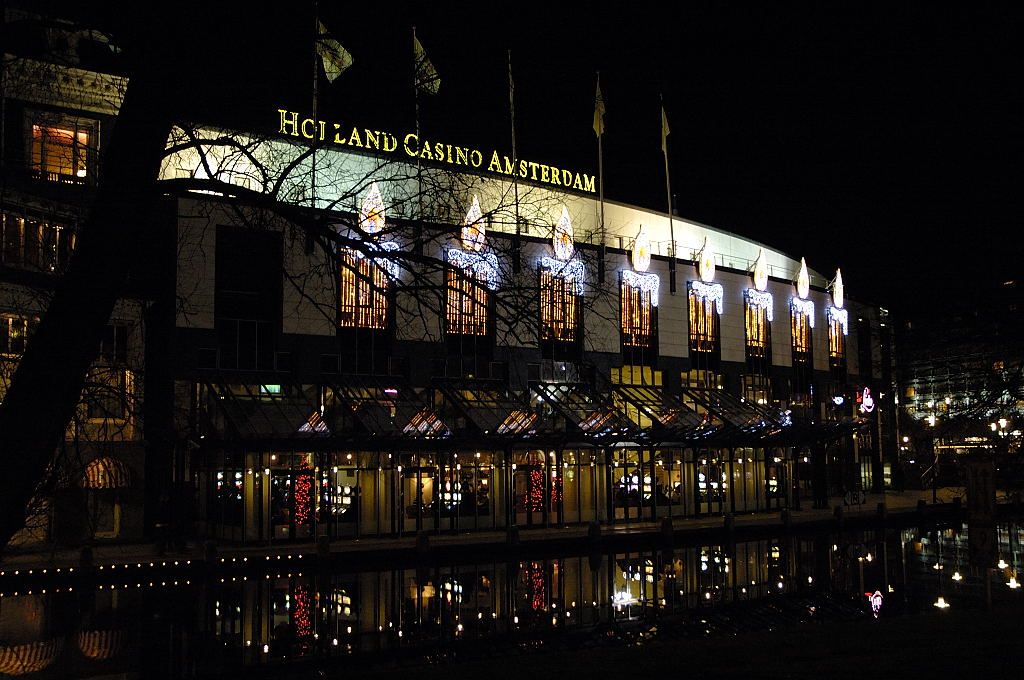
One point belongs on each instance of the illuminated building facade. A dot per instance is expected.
(531, 368)
(451, 351)
(58, 107)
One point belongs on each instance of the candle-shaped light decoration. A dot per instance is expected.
(473, 231)
(642, 251)
(563, 236)
(803, 281)
(761, 272)
(706, 263)
(371, 214)
(837, 290)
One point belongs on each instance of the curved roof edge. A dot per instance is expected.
(343, 177)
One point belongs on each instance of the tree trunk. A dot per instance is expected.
(45, 389)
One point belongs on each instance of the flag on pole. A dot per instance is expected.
(598, 111)
(336, 59)
(664, 132)
(427, 78)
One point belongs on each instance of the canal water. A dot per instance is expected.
(284, 616)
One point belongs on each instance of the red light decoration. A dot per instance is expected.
(303, 497)
(536, 489)
(535, 574)
(303, 622)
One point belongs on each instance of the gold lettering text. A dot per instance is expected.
(410, 149)
(289, 123)
(495, 164)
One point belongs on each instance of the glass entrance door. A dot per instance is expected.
(712, 483)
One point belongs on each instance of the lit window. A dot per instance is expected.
(559, 307)
(703, 323)
(643, 376)
(363, 293)
(639, 321)
(468, 299)
(636, 375)
(801, 327)
(60, 152)
(14, 333)
(32, 244)
(757, 389)
(758, 331)
(836, 340)
(700, 378)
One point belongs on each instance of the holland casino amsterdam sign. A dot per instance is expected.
(414, 147)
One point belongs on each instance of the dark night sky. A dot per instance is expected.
(883, 140)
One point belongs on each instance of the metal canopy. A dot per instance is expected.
(589, 413)
(668, 415)
(384, 405)
(739, 414)
(254, 411)
(490, 407)
(371, 411)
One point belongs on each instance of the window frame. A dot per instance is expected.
(561, 308)
(364, 292)
(633, 303)
(468, 303)
(82, 154)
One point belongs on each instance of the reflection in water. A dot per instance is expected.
(430, 614)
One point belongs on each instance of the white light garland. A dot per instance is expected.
(840, 315)
(567, 269)
(647, 283)
(805, 307)
(709, 291)
(761, 300)
(480, 263)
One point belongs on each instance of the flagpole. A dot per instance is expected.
(316, 97)
(419, 170)
(668, 193)
(512, 120)
(600, 163)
